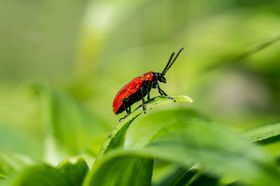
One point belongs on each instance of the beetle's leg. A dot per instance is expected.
(162, 93)
(143, 100)
(127, 109)
(149, 98)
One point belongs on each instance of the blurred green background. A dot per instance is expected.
(79, 53)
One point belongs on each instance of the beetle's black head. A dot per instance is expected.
(159, 77)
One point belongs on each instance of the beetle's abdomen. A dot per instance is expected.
(131, 92)
(130, 88)
(133, 98)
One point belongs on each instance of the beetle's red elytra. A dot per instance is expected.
(139, 87)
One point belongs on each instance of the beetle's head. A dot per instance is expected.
(159, 77)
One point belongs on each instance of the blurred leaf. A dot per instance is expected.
(43, 175)
(20, 118)
(69, 173)
(11, 163)
(116, 140)
(203, 180)
(237, 58)
(13, 140)
(179, 176)
(123, 170)
(212, 147)
(265, 134)
(74, 170)
(71, 126)
(140, 20)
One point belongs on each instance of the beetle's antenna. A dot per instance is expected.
(171, 61)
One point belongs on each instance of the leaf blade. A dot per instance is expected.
(265, 134)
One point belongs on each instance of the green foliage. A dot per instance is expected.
(70, 125)
(76, 55)
(69, 172)
(10, 164)
(176, 137)
(266, 134)
(44, 175)
(73, 170)
(125, 169)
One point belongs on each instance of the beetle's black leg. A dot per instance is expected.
(143, 100)
(149, 98)
(127, 108)
(162, 93)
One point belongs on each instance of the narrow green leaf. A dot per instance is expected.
(116, 138)
(71, 127)
(43, 175)
(156, 102)
(180, 176)
(200, 180)
(237, 58)
(265, 134)
(11, 163)
(124, 170)
(74, 170)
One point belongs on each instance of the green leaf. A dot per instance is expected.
(74, 170)
(124, 170)
(13, 140)
(126, 165)
(200, 179)
(265, 134)
(212, 147)
(116, 138)
(180, 176)
(177, 137)
(43, 175)
(72, 129)
(239, 57)
(11, 163)
(156, 102)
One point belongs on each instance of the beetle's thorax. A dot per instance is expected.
(149, 76)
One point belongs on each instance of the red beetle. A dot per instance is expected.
(141, 86)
